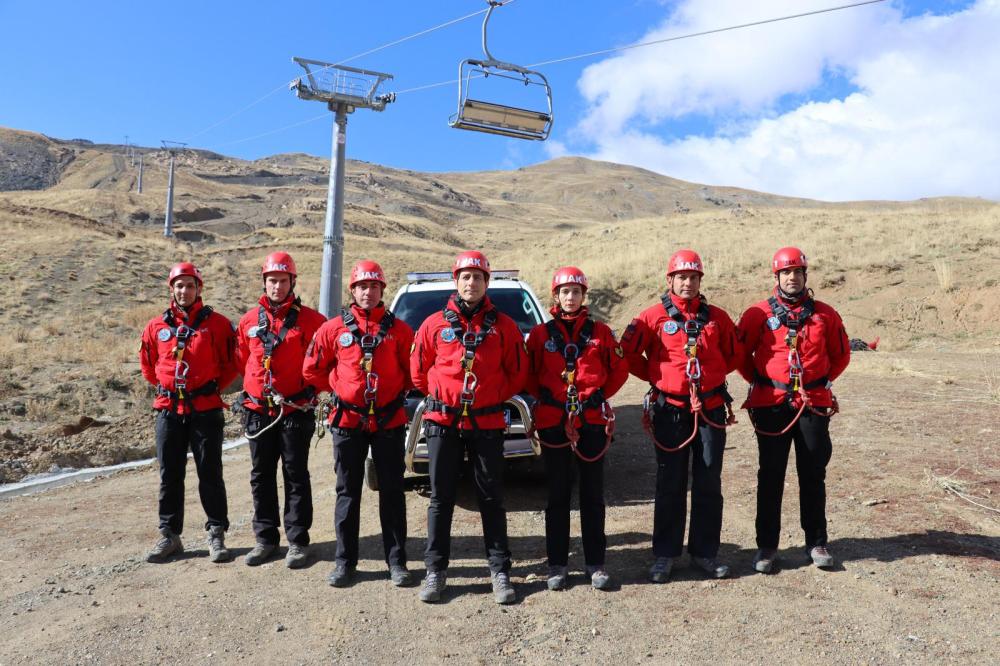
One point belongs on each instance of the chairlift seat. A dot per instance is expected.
(500, 119)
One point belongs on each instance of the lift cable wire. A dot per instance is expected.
(659, 41)
(284, 86)
(590, 54)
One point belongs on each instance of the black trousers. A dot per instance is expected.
(288, 442)
(561, 466)
(672, 426)
(447, 448)
(350, 449)
(202, 432)
(813, 449)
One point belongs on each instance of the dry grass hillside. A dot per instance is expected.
(84, 260)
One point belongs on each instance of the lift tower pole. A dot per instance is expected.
(343, 89)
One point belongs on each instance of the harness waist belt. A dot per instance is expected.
(816, 383)
(593, 401)
(208, 388)
(305, 394)
(382, 414)
(721, 389)
(434, 405)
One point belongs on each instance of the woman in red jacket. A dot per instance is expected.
(576, 366)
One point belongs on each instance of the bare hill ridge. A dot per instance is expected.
(84, 259)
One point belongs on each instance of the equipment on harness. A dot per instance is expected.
(573, 408)
(471, 341)
(182, 333)
(692, 329)
(368, 343)
(270, 341)
(796, 392)
(280, 401)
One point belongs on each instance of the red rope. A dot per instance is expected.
(698, 410)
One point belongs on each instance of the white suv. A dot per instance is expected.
(426, 293)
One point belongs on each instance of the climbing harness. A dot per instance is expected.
(182, 333)
(796, 392)
(368, 343)
(467, 397)
(492, 118)
(573, 408)
(656, 399)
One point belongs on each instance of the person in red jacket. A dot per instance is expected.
(468, 360)
(362, 357)
(278, 410)
(793, 347)
(189, 354)
(576, 367)
(684, 348)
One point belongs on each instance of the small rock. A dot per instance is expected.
(594, 632)
(95, 602)
(279, 627)
(873, 502)
(61, 590)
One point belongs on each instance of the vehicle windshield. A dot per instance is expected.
(414, 307)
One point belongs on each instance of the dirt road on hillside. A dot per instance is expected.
(920, 580)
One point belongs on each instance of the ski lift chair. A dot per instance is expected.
(485, 116)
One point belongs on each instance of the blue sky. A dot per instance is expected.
(700, 109)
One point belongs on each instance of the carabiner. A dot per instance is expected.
(693, 369)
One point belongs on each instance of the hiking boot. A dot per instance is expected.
(261, 553)
(169, 544)
(342, 575)
(297, 556)
(558, 578)
(400, 575)
(821, 557)
(433, 586)
(711, 566)
(764, 560)
(503, 590)
(217, 551)
(600, 579)
(660, 571)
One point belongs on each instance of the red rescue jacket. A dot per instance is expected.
(210, 354)
(654, 346)
(824, 352)
(601, 365)
(288, 355)
(333, 363)
(500, 364)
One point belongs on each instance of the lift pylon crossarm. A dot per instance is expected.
(493, 118)
(349, 85)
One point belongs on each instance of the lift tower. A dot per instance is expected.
(343, 89)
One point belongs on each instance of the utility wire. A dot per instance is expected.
(285, 85)
(659, 41)
(579, 56)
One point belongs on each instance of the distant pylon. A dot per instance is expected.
(168, 220)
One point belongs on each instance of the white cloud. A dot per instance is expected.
(924, 122)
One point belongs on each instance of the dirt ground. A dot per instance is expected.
(918, 583)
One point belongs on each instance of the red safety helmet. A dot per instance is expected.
(367, 270)
(788, 257)
(569, 275)
(279, 262)
(471, 259)
(685, 260)
(184, 268)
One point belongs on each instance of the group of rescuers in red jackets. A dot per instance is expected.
(468, 359)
